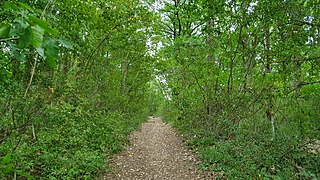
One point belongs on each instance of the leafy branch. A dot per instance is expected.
(300, 85)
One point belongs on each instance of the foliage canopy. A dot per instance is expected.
(239, 78)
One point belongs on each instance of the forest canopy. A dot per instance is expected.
(240, 79)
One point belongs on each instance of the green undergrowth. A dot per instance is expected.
(73, 144)
(244, 155)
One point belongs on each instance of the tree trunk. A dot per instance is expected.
(268, 70)
(125, 69)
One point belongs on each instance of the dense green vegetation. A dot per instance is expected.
(244, 82)
(74, 77)
(240, 79)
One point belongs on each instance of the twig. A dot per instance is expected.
(300, 22)
(300, 85)
(4, 66)
(32, 74)
(44, 10)
(36, 58)
(9, 39)
(3, 19)
(96, 48)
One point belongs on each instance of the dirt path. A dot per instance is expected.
(156, 153)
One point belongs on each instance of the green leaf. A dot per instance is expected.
(25, 6)
(7, 168)
(6, 159)
(44, 25)
(4, 31)
(66, 44)
(51, 53)
(22, 23)
(24, 174)
(25, 39)
(19, 56)
(37, 36)
(40, 51)
(11, 6)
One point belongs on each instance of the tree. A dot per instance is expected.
(239, 78)
(75, 84)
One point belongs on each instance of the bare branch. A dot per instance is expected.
(167, 32)
(195, 27)
(9, 39)
(167, 25)
(32, 75)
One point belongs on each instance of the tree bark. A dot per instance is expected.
(268, 70)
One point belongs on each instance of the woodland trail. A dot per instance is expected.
(157, 152)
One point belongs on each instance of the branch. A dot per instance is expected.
(300, 85)
(312, 58)
(35, 59)
(167, 26)
(31, 77)
(300, 22)
(44, 10)
(97, 47)
(3, 19)
(194, 28)
(9, 39)
(4, 66)
(167, 32)
(309, 83)
(304, 59)
(183, 3)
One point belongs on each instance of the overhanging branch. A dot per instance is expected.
(301, 85)
(9, 39)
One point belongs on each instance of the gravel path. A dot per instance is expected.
(157, 152)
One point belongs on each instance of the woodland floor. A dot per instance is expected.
(156, 152)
